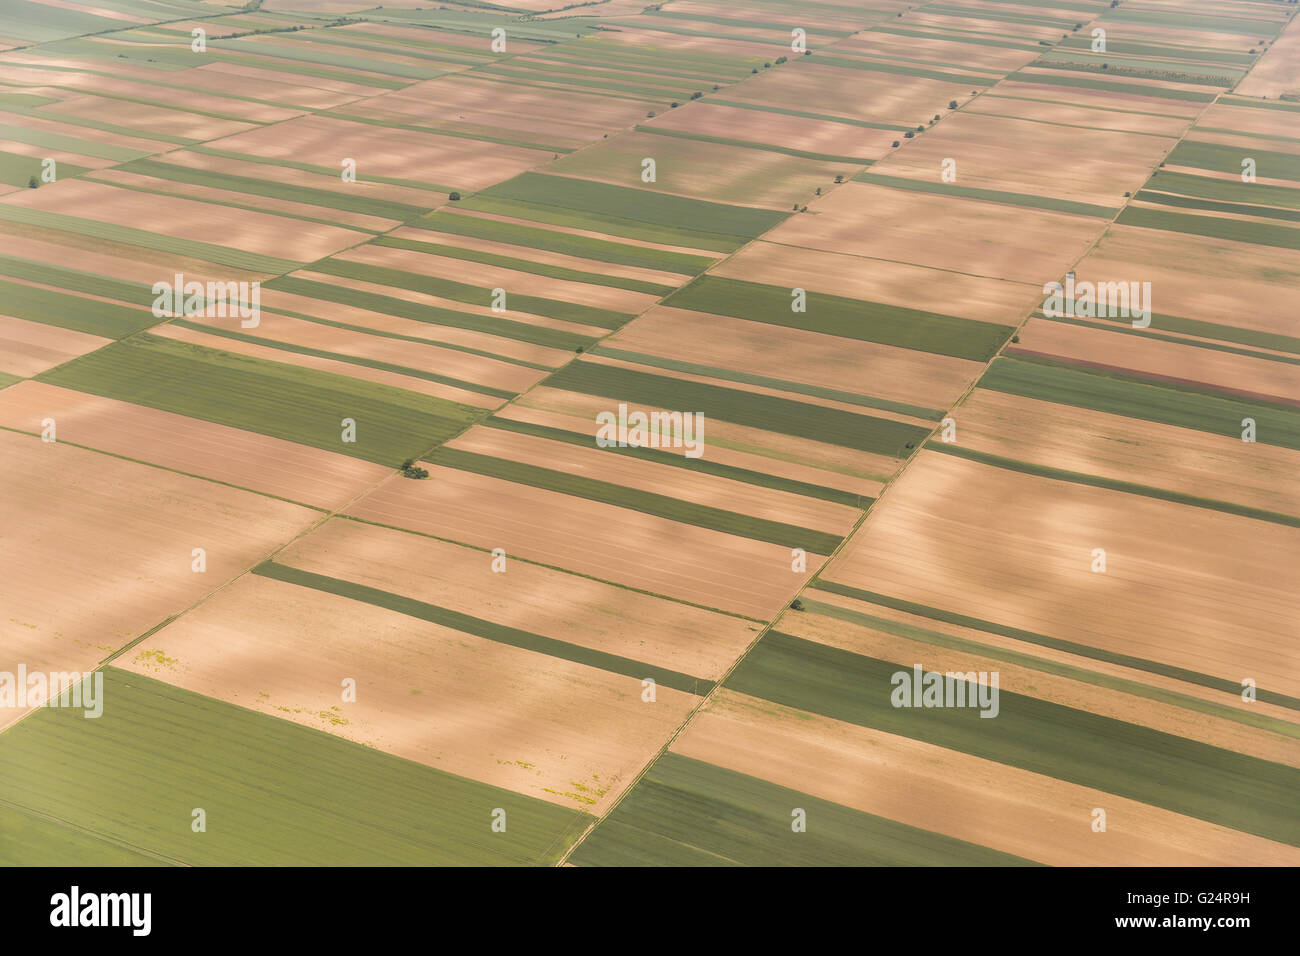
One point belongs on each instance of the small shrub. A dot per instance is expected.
(952, 104)
(1015, 339)
(896, 141)
(32, 182)
(796, 605)
(650, 115)
(908, 135)
(696, 95)
(839, 177)
(673, 105)
(767, 66)
(454, 196)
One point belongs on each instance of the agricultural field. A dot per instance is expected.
(528, 433)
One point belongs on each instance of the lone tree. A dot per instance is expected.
(952, 104)
(454, 196)
(32, 182)
(796, 605)
(839, 177)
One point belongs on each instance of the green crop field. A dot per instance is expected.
(274, 793)
(297, 404)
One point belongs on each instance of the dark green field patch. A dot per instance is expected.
(1163, 770)
(849, 318)
(1235, 230)
(72, 311)
(17, 170)
(297, 404)
(275, 793)
(487, 630)
(771, 413)
(641, 205)
(686, 812)
(662, 506)
(1269, 164)
(1215, 414)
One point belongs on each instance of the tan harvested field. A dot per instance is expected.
(613, 544)
(1012, 155)
(1210, 370)
(1100, 99)
(381, 376)
(936, 52)
(302, 210)
(826, 458)
(1095, 117)
(943, 791)
(1127, 449)
(379, 151)
(150, 119)
(28, 348)
(668, 480)
(99, 550)
(1196, 277)
(761, 128)
(942, 232)
(120, 261)
(270, 466)
(539, 725)
(901, 284)
(526, 411)
(1030, 681)
(268, 170)
(303, 92)
(243, 229)
(489, 105)
(871, 97)
(1017, 550)
(809, 358)
(1278, 71)
(526, 596)
(495, 277)
(743, 175)
(1247, 119)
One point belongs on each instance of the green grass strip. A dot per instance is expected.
(276, 793)
(1070, 647)
(926, 636)
(1135, 89)
(1210, 205)
(702, 465)
(1269, 164)
(819, 391)
(1217, 415)
(270, 189)
(1235, 230)
(585, 247)
(687, 812)
(1179, 774)
(526, 265)
(988, 195)
(418, 312)
(488, 630)
(634, 499)
(1112, 484)
(849, 318)
(345, 358)
(471, 294)
(750, 144)
(767, 412)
